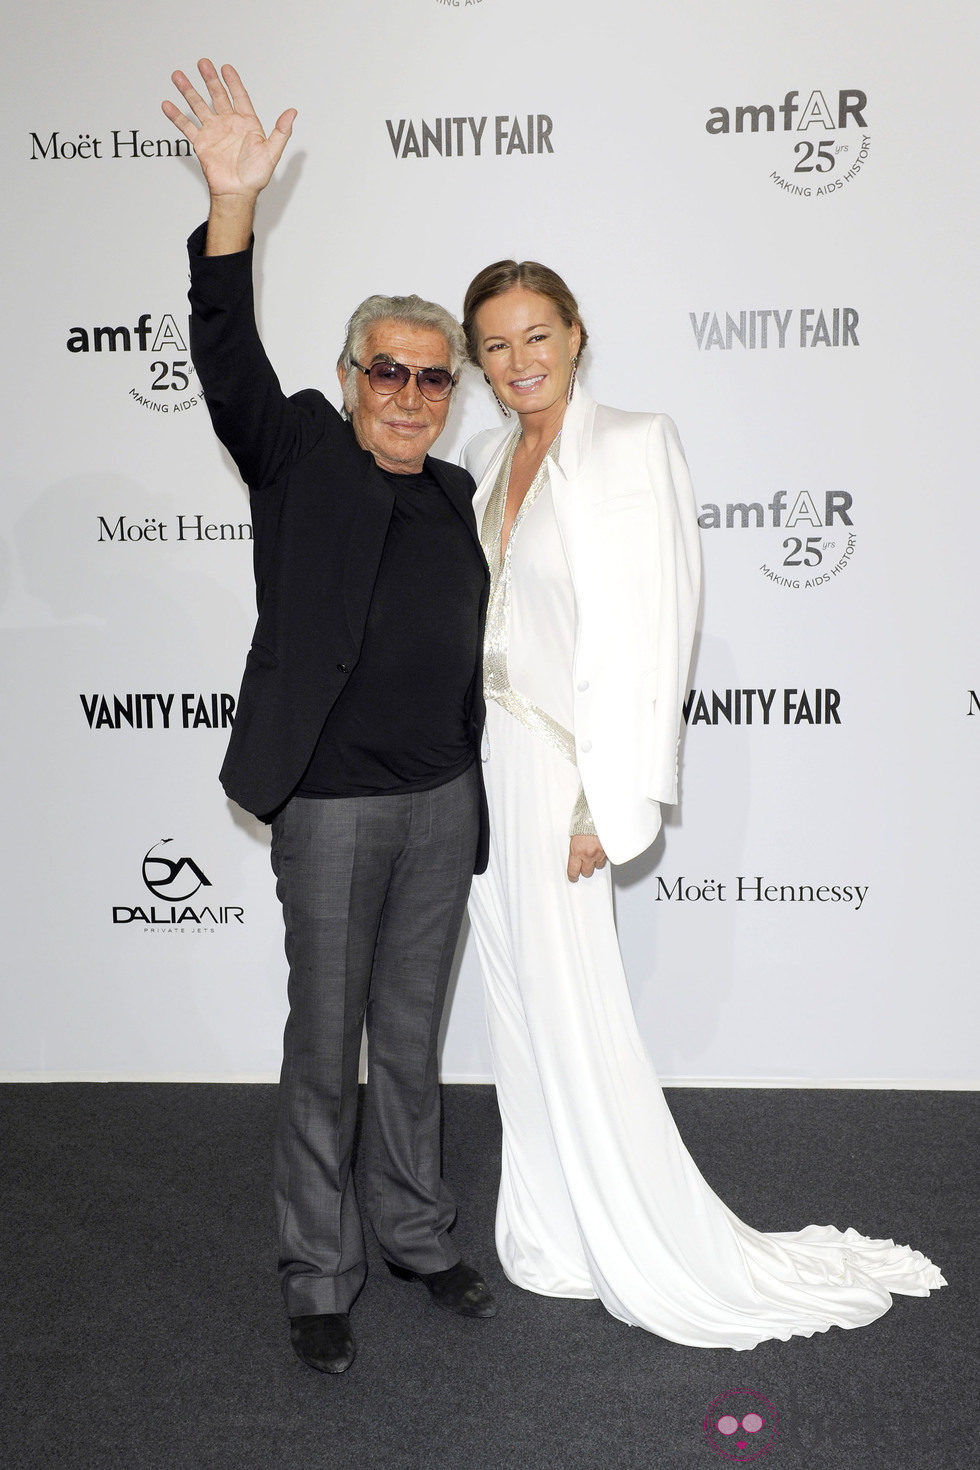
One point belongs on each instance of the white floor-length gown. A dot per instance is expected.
(598, 1195)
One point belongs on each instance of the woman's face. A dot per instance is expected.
(526, 350)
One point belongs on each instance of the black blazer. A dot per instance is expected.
(320, 513)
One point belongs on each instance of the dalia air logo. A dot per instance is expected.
(799, 540)
(173, 877)
(155, 347)
(811, 148)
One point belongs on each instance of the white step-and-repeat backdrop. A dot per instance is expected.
(769, 216)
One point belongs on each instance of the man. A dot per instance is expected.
(357, 735)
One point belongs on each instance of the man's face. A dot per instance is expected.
(398, 429)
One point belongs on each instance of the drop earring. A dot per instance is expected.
(502, 406)
(571, 381)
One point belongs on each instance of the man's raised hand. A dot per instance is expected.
(236, 157)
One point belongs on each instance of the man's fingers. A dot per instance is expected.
(220, 100)
(221, 104)
(191, 96)
(179, 120)
(236, 87)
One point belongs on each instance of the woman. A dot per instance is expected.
(588, 523)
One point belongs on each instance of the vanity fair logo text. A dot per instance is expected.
(188, 710)
(501, 135)
(820, 706)
(760, 328)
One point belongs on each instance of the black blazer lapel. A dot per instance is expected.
(458, 488)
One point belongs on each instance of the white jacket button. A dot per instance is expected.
(586, 745)
(582, 685)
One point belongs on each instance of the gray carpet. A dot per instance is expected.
(142, 1325)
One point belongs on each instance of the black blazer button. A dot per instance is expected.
(342, 669)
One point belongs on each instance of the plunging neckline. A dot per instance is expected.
(530, 494)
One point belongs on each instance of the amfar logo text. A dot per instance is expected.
(166, 338)
(815, 166)
(804, 511)
(809, 558)
(816, 112)
(452, 137)
(168, 372)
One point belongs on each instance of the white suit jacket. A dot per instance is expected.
(628, 523)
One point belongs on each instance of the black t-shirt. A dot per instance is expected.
(400, 723)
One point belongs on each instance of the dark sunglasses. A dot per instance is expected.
(390, 377)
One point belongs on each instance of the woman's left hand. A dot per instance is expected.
(585, 854)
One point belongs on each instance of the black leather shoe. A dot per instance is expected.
(460, 1289)
(323, 1341)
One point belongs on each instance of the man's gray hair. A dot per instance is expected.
(410, 311)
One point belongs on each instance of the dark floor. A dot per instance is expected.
(142, 1325)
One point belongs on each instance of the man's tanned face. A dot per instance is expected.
(399, 429)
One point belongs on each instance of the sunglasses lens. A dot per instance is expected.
(387, 377)
(434, 382)
(391, 377)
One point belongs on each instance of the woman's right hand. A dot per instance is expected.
(236, 157)
(585, 856)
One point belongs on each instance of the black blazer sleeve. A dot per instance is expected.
(261, 428)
